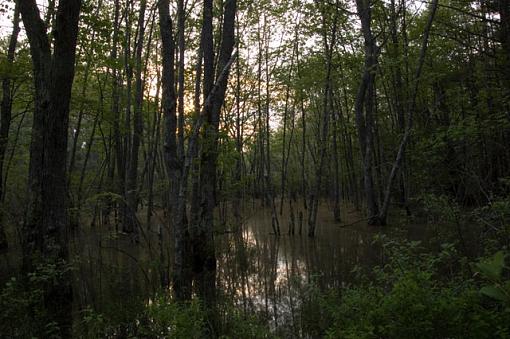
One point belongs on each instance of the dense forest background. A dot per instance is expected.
(161, 126)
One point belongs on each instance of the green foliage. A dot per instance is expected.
(91, 325)
(235, 324)
(168, 319)
(22, 310)
(165, 318)
(492, 270)
(402, 300)
(440, 208)
(496, 218)
(416, 306)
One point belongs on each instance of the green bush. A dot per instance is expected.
(405, 301)
(22, 310)
(167, 319)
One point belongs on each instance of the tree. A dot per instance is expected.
(45, 229)
(364, 108)
(181, 280)
(215, 86)
(132, 170)
(6, 114)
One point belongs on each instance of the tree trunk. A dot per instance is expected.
(45, 229)
(181, 282)
(364, 109)
(118, 158)
(132, 175)
(410, 116)
(323, 135)
(181, 16)
(268, 172)
(5, 116)
(202, 239)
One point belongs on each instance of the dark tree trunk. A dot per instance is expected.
(132, 175)
(268, 171)
(181, 16)
(364, 109)
(202, 239)
(5, 116)
(504, 12)
(410, 116)
(45, 229)
(323, 135)
(75, 204)
(336, 174)
(117, 157)
(181, 283)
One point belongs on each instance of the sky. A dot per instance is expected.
(6, 17)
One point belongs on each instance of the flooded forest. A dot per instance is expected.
(255, 169)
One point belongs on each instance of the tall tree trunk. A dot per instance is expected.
(268, 172)
(181, 283)
(132, 175)
(153, 149)
(45, 229)
(75, 217)
(202, 240)
(410, 116)
(181, 17)
(503, 7)
(117, 157)
(238, 171)
(204, 256)
(324, 133)
(6, 114)
(364, 109)
(336, 164)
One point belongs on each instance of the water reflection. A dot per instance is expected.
(259, 272)
(272, 275)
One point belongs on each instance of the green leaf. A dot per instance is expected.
(492, 268)
(494, 293)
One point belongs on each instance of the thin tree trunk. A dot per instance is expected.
(410, 115)
(336, 164)
(132, 177)
(267, 173)
(117, 156)
(236, 206)
(323, 135)
(181, 16)
(6, 115)
(126, 217)
(181, 283)
(154, 147)
(285, 155)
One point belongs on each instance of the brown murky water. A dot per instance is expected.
(258, 271)
(274, 274)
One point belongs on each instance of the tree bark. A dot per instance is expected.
(181, 283)
(6, 115)
(45, 229)
(323, 135)
(410, 116)
(204, 256)
(132, 176)
(181, 17)
(364, 109)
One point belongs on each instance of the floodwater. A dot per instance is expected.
(260, 272)
(275, 275)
